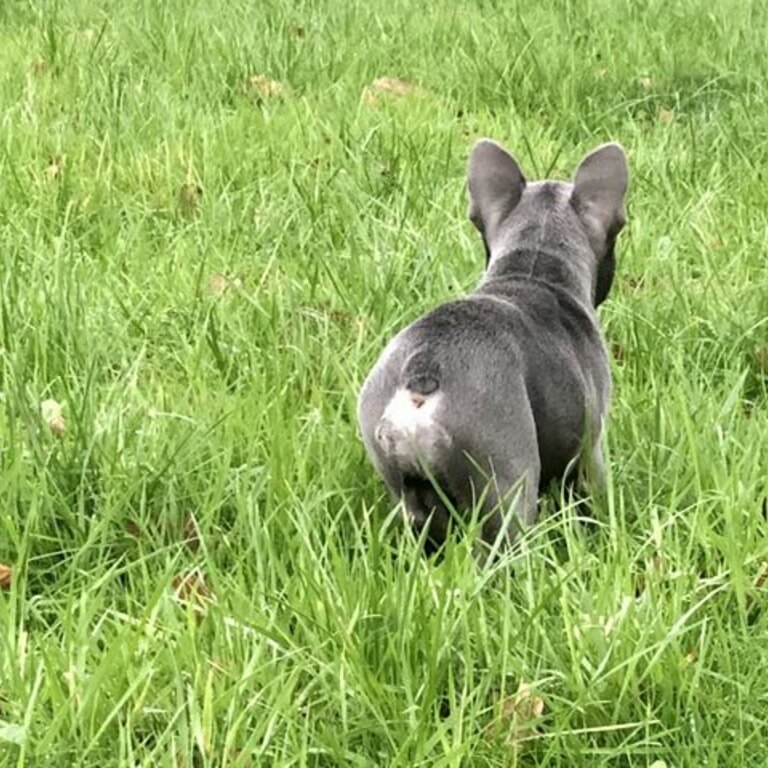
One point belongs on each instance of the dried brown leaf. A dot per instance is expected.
(191, 533)
(5, 576)
(762, 575)
(666, 116)
(58, 426)
(191, 590)
(384, 87)
(759, 583)
(370, 99)
(55, 167)
(397, 86)
(690, 658)
(518, 716)
(219, 284)
(190, 195)
(761, 356)
(261, 86)
(51, 412)
(132, 529)
(339, 316)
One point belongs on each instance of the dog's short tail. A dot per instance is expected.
(410, 431)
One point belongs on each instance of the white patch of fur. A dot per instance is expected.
(409, 430)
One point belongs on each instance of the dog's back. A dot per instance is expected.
(489, 397)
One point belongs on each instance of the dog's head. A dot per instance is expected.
(581, 217)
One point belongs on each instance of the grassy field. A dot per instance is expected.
(210, 223)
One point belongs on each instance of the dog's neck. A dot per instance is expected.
(541, 265)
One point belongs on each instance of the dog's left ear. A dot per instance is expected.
(599, 189)
(496, 184)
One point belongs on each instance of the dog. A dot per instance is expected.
(484, 401)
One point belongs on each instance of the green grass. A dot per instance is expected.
(217, 432)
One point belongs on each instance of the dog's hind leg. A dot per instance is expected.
(504, 468)
(509, 502)
(426, 509)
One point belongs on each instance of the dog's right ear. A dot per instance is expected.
(599, 190)
(599, 193)
(495, 184)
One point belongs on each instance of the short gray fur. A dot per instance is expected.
(519, 367)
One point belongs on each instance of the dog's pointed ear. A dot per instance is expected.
(495, 184)
(599, 189)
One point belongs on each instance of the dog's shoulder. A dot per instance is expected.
(543, 306)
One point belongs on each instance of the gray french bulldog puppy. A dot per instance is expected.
(491, 397)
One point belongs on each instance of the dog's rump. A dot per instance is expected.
(429, 388)
(410, 432)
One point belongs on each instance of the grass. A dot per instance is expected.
(200, 270)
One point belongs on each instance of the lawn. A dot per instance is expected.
(212, 218)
